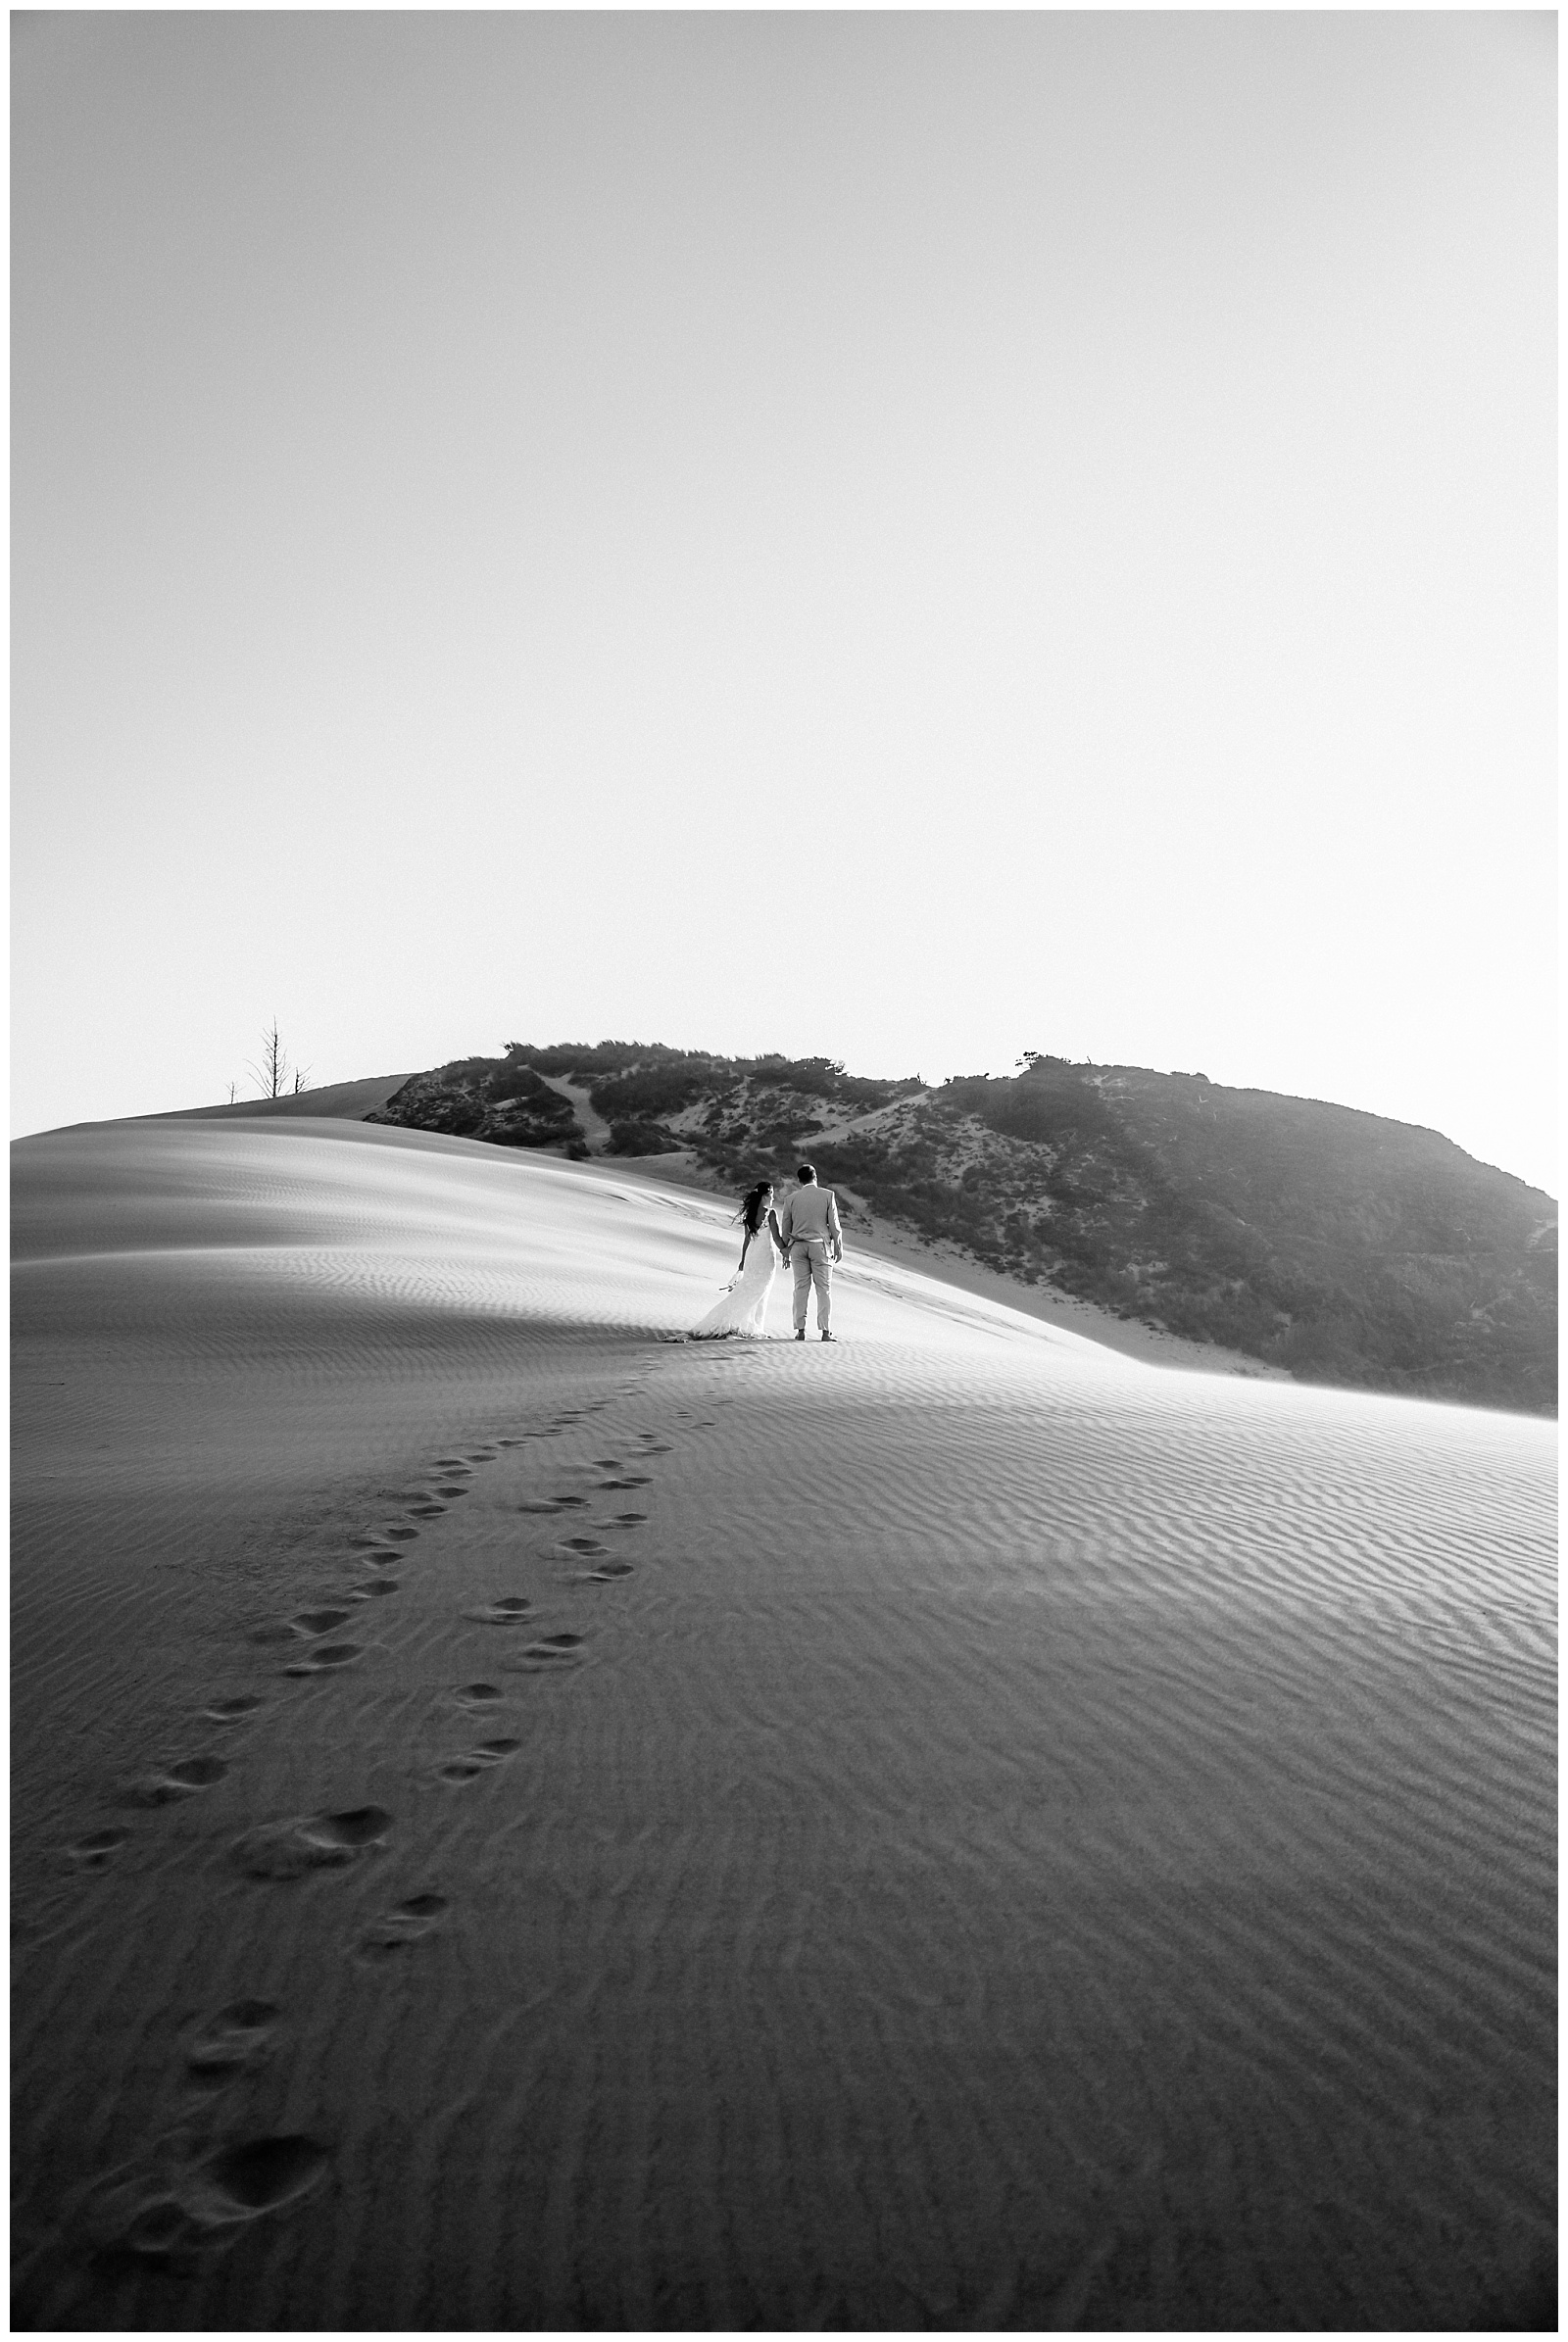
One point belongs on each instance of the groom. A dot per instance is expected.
(813, 1241)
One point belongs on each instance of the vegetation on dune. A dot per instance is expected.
(1341, 1246)
(639, 1137)
(276, 1073)
(501, 1100)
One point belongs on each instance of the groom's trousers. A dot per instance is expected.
(808, 1259)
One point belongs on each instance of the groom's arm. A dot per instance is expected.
(833, 1228)
(784, 1225)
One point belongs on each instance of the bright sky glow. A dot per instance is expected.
(912, 537)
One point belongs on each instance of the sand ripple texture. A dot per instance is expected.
(521, 1824)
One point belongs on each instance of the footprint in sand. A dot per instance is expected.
(371, 1589)
(160, 2234)
(477, 1760)
(177, 1781)
(627, 1480)
(400, 1537)
(282, 1850)
(235, 1710)
(481, 1455)
(405, 1923)
(326, 1659)
(173, 2220)
(97, 1850)
(508, 1611)
(582, 1546)
(239, 2041)
(607, 1571)
(455, 1467)
(479, 1695)
(553, 1653)
(380, 1559)
(427, 1512)
(658, 1447)
(625, 1521)
(257, 2175)
(547, 1504)
(318, 1622)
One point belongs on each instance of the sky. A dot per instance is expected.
(902, 537)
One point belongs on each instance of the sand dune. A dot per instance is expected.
(520, 1823)
(333, 1102)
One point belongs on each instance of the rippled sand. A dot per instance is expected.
(518, 1823)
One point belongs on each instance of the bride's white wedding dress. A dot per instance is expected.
(743, 1309)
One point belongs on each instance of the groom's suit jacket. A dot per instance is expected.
(809, 1211)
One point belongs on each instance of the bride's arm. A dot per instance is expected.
(775, 1230)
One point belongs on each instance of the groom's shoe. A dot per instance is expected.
(801, 1335)
(830, 1337)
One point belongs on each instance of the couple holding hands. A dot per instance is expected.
(806, 1233)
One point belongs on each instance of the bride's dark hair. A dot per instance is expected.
(750, 1210)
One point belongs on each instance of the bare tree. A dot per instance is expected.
(275, 1074)
(302, 1074)
(232, 1087)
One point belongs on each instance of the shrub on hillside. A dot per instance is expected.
(1051, 1108)
(649, 1090)
(640, 1138)
(814, 1077)
(513, 1081)
(583, 1060)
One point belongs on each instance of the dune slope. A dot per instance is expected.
(518, 1823)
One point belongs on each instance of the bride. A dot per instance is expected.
(743, 1307)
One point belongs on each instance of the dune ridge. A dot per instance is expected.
(962, 1829)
